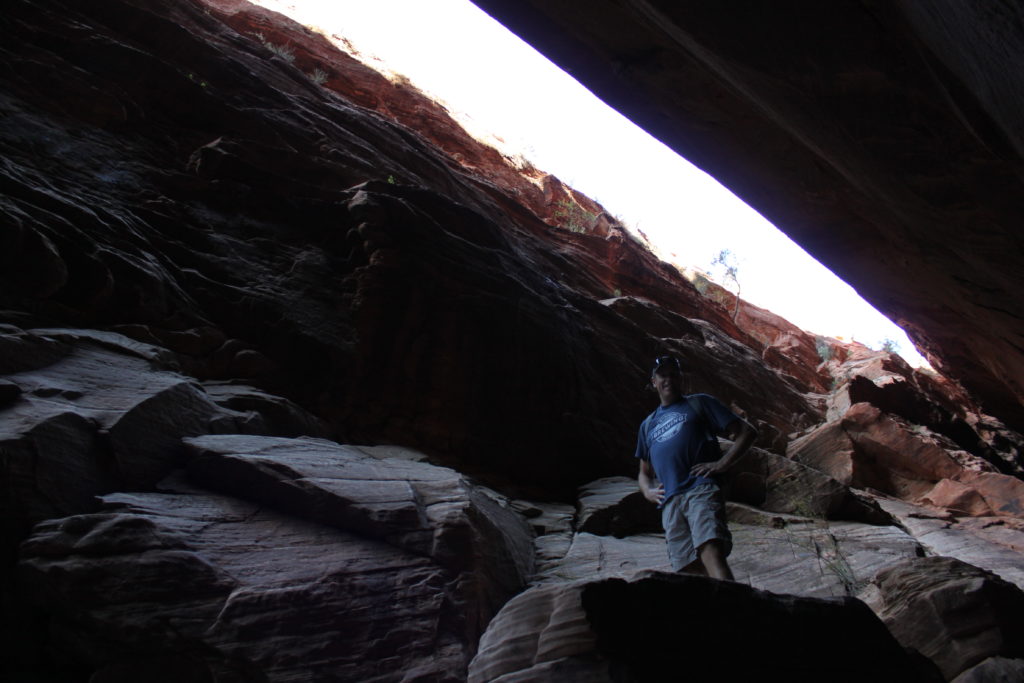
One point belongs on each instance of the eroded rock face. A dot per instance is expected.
(990, 543)
(927, 603)
(384, 568)
(867, 448)
(921, 398)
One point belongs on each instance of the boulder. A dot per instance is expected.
(958, 498)
(1003, 494)
(237, 591)
(955, 614)
(778, 484)
(614, 506)
(337, 566)
(826, 448)
(97, 412)
(895, 458)
(646, 628)
(421, 508)
(870, 449)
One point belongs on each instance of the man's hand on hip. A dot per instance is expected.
(655, 494)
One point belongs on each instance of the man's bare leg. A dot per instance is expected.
(713, 559)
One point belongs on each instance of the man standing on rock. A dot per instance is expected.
(677, 446)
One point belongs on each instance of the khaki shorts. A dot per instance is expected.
(693, 518)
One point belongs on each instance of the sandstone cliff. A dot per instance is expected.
(300, 382)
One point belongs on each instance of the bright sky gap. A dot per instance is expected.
(507, 94)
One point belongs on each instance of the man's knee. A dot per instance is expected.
(712, 555)
(714, 547)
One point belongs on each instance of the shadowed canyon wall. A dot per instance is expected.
(884, 138)
(301, 382)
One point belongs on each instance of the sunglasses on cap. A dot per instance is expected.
(667, 363)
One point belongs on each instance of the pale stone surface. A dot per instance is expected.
(738, 513)
(590, 556)
(771, 550)
(421, 508)
(820, 559)
(996, 549)
(540, 632)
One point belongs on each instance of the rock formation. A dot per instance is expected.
(300, 382)
(613, 629)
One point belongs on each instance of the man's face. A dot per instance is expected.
(668, 382)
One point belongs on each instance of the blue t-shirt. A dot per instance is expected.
(674, 438)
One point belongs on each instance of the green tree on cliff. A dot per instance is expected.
(730, 271)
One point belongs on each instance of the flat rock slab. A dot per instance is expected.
(819, 559)
(811, 559)
(589, 556)
(424, 509)
(642, 629)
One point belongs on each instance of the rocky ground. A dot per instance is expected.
(292, 392)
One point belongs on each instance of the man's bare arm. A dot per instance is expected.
(646, 479)
(743, 435)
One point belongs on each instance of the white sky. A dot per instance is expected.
(495, 83)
